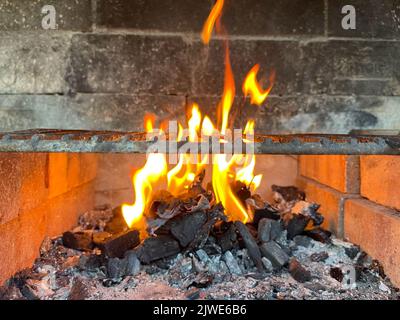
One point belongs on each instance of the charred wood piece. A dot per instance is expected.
(251, 245)
(117, 245)
(153, 249)
(78, 240)
(298, 272)
(274, 253)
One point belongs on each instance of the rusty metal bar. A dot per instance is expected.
(131, 142)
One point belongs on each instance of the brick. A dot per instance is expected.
(58, 168)
(276, 169)
(337, 171)
(20, 238)
(33, 64)
(351, 67)
(380, 20)
(240, 17)
(331, 201)
(23, 15)
(380, 179)
(166, 15)
(86, 111)
(377, 230)
(268, 17)
(22, 185)
(281, 56)
(129, 64)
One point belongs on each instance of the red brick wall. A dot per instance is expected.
(360, 199)
(41, 195)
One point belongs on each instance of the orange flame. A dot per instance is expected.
(143, 182)
(210, 22)
(252, 88)
(228, 95)
(225, 171)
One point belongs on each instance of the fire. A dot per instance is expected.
(210, 22)
(252, 88)
(144, 179)
(227, 170)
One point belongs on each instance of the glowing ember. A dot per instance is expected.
(226, 169)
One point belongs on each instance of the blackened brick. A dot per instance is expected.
(352, 67)
(165, 15)
(129, 64)
(270, 17)
(281, 56)
(27, 14)
(374, 19)
(33, 63)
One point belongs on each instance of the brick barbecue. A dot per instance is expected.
(72, 103)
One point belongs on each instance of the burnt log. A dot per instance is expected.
(153, 249)
(117, 245)
(251, 245)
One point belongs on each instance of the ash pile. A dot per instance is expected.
(192, 251)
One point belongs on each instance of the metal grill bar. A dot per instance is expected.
(131, 142)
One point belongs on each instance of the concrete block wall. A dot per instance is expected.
(359, 198)
(110, 61)
(41, 195)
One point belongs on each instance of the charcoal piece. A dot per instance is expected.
(310, 210)
(100, 237)
(116, 268)
(273, 252)
(337, 274)
(296, 225)
(298, 272)
(202, 280)
(302, 241)
(132, 263)
(269, 230)
(242, 191)
(352, 252)
(319, 234)
(232, 263)
(319, 256)
(117, 245)
(184, 228)
(267, 264)
(228, 240)
(91, 262)
(213, 216)
(117, 223)
(79, 290)
(289, 194)
(193, 294)
(153, 249)
(251, 245)
(267, 212)
(78, 240)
